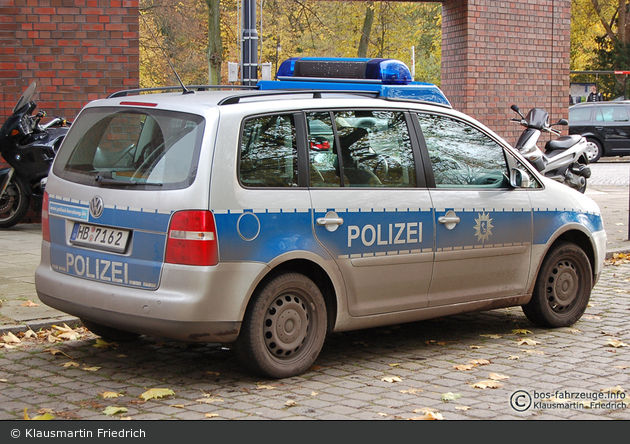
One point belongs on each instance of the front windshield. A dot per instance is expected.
(137, 148)
(26, 97)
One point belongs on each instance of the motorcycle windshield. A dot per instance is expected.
(26, 97)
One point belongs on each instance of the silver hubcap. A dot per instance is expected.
(286, 325)
(562, 286)
(591, 150)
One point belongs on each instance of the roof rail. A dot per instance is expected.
(189, 89)
(317, 94)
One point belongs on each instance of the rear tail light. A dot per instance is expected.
(192, 239)
(45, 221)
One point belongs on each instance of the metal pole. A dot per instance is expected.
(250, 43)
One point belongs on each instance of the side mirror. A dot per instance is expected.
(562, 122)
(519, 178)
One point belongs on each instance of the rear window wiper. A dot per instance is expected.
(102, 180)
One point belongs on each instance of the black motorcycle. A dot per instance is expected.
(29, 147)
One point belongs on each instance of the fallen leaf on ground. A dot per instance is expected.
(67, 332)
(102, 343)
(112, 410)
(475, 347)
(615, 343)
(424, 410)
(391, 379)
(462, 407)
(155, 393)
(448, 397)
(521, 331)
(411, 391)
(622, 367)
(264, 387)
(486, 384)
(314, 394)
(211, 415)
(513, 357)
(10, 338)
(479, 362)
(110, 395)
(30, 334)
(498, 377)
(91, 369)
(56, 351)
(492, 336)
(71, 364)
(210, 400)
(290, 403)
(464, 367)
(528, 342)
(616, 389)
(429, 416)
(44, 417)
(29, 304)
(535, 352)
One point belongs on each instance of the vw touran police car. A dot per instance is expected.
(265, 218)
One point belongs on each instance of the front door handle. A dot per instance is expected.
(449, 220)
(331, 221)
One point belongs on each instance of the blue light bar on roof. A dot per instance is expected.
(386, 71)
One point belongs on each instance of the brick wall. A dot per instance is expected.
(497, 53)
(76, 50)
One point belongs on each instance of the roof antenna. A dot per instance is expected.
(186, 90)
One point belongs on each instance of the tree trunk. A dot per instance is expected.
(367, 29)
(215, 44)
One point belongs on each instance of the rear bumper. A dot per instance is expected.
(201, 304)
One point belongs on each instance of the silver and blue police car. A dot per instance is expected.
(342, 196)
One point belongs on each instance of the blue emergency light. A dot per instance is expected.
(389, 77)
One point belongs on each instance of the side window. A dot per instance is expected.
(579, 115)
(268, 155)
(613, 114)
(461, 155)
(374, 146)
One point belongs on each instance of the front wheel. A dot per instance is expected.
(14, 203)
(563, 287)
(284, 327)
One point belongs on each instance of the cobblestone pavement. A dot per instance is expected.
(389, 373)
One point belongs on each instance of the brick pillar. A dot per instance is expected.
(495, 54)
(76, 50)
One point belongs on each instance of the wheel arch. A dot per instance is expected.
(577, 237)
(315, 272)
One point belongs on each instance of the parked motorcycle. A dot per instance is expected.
(29, 147)
(564, 159)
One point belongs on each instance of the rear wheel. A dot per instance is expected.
(110, 333)
(284, 327)
(563, 287)
(14, 203)
(593, 150)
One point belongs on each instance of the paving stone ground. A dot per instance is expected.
(349, 380)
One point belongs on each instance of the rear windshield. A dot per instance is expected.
(142, 149)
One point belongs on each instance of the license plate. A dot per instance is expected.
(102, 238)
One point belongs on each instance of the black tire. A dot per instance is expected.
(563, 287)
(109, 333)
(284, 327)
(14, 203)
(594, 150)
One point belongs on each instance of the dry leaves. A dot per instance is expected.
(29, 304)
(391, 379)
(487, 384)
(113, 410)
(615, 343)
(155, 393)
(521, 331)
(618, 259)
(528, 342)
(498, 377)
(464, 367)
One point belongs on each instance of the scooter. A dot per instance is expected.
(564, 159)
(29, 147)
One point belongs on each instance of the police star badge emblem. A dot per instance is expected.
(483, 227)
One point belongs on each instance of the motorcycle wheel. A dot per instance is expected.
(14, 203)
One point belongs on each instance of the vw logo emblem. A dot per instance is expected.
(96, 207)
